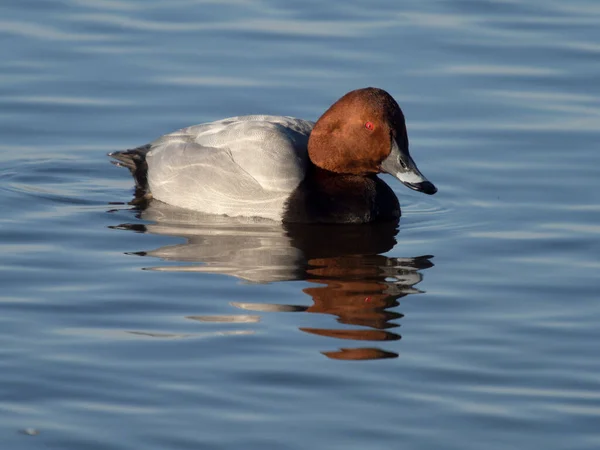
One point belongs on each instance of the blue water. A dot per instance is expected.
(475, 325)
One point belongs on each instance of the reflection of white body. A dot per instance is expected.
(261, 251)
(255, 250)
(241, 166)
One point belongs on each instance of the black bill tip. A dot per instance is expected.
(426, 187)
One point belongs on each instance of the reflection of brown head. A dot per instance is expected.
(358, 354)
(361, 290)
(354, 290)
(354, 302)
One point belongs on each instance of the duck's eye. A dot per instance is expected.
(369, 126)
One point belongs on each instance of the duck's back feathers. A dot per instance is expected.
(242, 166)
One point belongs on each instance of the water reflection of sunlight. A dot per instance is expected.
(352, 280)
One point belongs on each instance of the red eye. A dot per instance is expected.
(369, 126)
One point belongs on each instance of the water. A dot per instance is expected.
(473, 326)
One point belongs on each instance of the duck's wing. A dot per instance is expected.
(252, 173)
(271, 149)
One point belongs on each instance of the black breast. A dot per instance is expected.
(325, 197)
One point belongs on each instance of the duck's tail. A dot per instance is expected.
(135, 160)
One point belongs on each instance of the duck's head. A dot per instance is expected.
(364, 133)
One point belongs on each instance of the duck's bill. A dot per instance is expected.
(400, 165)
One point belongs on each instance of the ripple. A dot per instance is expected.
(48, 180)
(46, 32)
(239, 318)
(496, 70)
(67, 101)
(211, 81)
(279, 26)
(427, 215)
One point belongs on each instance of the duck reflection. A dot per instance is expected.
(352, 279)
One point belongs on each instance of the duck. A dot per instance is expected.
(285, 169)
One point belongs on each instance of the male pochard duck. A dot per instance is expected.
(283, 168)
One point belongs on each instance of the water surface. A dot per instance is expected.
(472, 324)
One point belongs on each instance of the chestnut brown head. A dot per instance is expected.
(364, 133)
